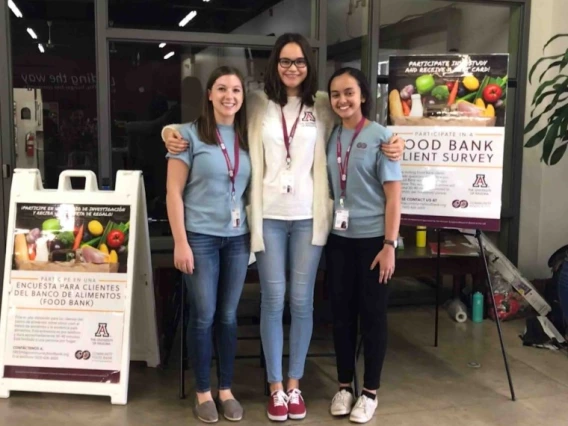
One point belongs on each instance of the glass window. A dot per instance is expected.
(152, 87)
(251, 17)
(54, 81)
(347, 23)
(429, 26)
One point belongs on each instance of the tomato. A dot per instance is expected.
(115, 238)
(450, 84)
(492, 93)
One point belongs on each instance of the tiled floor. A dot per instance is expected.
(422, 385)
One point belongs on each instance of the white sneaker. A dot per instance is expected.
(364, 410)
(342, 403)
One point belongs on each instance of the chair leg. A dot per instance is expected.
(182, 323)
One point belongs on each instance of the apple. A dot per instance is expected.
(115, 238)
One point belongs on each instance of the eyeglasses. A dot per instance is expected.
(287, 63)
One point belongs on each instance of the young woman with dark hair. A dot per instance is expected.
(290, 211)
(206, 187)
(360, 252)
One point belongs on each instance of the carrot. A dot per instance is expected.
(405, 109)
(78, 238)
(453, 93)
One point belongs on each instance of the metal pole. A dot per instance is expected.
(497, 320)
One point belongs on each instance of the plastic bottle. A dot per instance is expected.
(477, 307)
(420, 236)
(417, 110)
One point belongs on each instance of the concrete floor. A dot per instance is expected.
(422, 385)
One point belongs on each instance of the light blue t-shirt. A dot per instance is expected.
(368, 170)
(207, 193)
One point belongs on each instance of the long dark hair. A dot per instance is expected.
(274, 87)
(206, 124)
(363, 85)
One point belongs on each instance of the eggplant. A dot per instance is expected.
(55, 245)
(65, 255)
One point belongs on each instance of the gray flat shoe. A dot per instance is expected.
(206, 412)
(231, 409)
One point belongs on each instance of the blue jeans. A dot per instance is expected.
(214, 290)
(285, 240)
(563, 289)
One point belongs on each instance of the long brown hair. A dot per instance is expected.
(206, 124)
(273, 86)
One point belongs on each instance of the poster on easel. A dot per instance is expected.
(77, 264)
(451, 110)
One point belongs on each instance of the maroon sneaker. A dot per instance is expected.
(277, 409)
(296, 405)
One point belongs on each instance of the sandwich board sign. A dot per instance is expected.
(77, 275)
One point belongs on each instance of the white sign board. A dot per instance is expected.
(77, 263)
(451, 111)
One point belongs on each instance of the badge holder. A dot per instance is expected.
(341, 222)
(235, 213)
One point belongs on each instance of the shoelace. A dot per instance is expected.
(340, 397)
(362, 403)
(279, 399)
(294, 396)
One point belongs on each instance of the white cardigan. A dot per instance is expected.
(257, 103)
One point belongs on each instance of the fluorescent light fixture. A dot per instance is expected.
(40, 47)
(15, 9)
(169, 55)
(188, 18)
(32, 33)
(206, 1)
(162, 45)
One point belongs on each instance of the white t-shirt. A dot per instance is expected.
(296, 205)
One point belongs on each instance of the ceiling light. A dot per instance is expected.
(15, 9)
(32, 33)
(169, 55)
(162, 45)
(188, 18)
(206, 1)
(40, 47)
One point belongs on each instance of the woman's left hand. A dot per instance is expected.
(385, 260)
(394, 149)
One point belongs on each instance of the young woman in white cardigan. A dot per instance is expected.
(290, 210)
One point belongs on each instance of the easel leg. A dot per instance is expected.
(438, 285)
(497, 320)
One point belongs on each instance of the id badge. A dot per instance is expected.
(341, 222)
(287, 183)
(236, 217)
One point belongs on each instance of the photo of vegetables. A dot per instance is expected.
(448, 90)
(71, 238)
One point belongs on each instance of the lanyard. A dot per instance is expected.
(232, 170)
(288, 138)
(343, 164)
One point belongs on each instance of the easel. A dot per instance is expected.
(477, 236)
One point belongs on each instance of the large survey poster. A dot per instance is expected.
(451, 111)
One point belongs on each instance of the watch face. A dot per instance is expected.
(392, 243)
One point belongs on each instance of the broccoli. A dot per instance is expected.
(441, 92)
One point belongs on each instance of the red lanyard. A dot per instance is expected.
(341, 164)
(232, 171)
(288, 138)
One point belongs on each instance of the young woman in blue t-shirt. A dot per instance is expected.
(206, 187)
(360, 252)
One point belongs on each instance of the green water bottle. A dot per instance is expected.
(477, 307)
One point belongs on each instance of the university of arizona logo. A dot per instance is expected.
(480, 182)
(308, 116)
(102, 331)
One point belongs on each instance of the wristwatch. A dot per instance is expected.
(393, 243)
